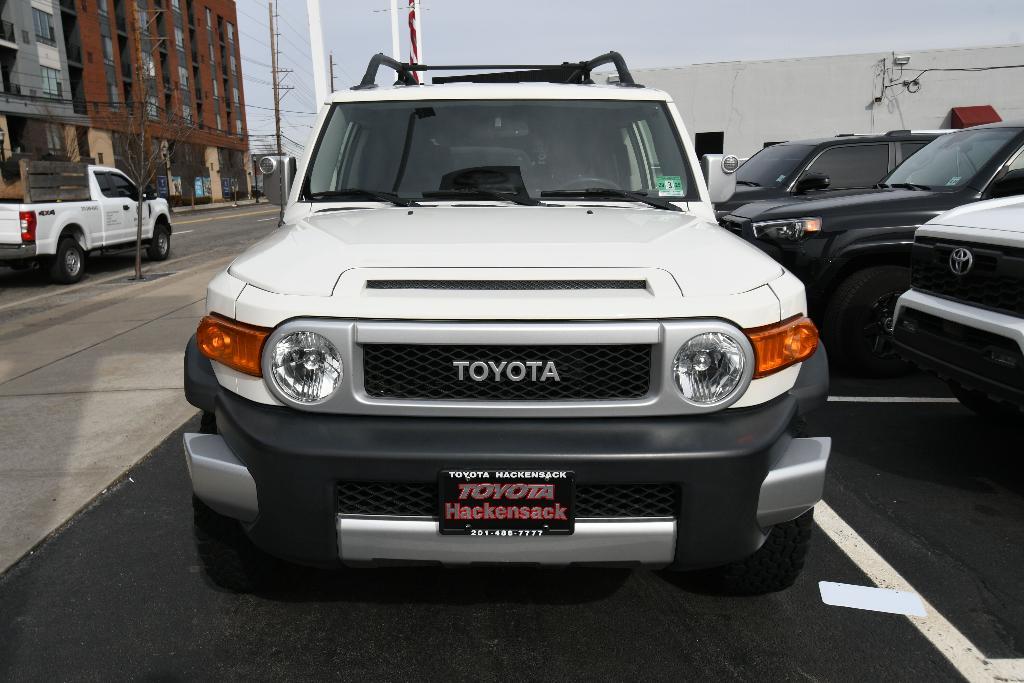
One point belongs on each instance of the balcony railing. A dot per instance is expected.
(74, 53)
(12, 89)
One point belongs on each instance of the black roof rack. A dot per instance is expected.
(566, 72)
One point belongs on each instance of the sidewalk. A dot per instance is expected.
(86, 390)
(216, 206)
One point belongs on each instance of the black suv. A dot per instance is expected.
(852, 249)
(840, 163)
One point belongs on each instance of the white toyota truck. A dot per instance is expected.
(59, 234)
(963, 318)
(501, 325)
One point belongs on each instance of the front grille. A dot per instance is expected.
(995, 281)
(592, 500)
(585, 372)
(488, 285)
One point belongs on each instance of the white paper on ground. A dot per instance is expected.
(870, 598)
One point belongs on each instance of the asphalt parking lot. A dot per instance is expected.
(935, 491)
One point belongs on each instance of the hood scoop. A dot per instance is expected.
(508, 285)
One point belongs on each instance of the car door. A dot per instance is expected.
(127, 197)
(112, 210)
(852, 166)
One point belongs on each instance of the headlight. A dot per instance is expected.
(709, 368)
(792, 229)
(306, 367)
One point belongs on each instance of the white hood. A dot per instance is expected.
(310, 257)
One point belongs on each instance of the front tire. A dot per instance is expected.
(774, 567)
(858, 324)
(160, 244)
(68, 265)
(230, 559)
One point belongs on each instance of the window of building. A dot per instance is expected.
(216, 94)
(218, 121)
(231, 32)
(176, 5)
(51, 82)
(238, 126)
(186, 111)
(108, 50)
(853, 166)
(183, 77)
(101, 5)
(234, 93)
(54, 139)
(43, 24)
(113, 92)
(179, 37)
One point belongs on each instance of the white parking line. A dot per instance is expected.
(183, 232)
(954, 646)
(272, 218)
(891, 399)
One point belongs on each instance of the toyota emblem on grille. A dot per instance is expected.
(961, 261)
(516, 371)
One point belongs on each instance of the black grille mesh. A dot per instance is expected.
(592, 500)
(586, 372)
(486, 285)
(996, 280)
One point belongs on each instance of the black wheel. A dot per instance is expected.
(68, 265)
(160, 244)
(981, 404)
(858, 325)
(772, 568)
(228, 556)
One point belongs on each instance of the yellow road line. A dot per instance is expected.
(233, 215)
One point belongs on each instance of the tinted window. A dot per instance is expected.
(121, 187)
(772, 166)
(853, 166)
(952, 160)
(105, 185)
(908, 149)
(425, 146)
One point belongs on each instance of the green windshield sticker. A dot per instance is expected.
(669, 185)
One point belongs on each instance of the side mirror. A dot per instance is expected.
(811, 181)
(149, 193)
(278, 174)
(1009, 185)
(720, 173)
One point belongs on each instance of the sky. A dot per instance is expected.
(649, 33)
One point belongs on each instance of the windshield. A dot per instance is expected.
(772, 165)
(522, 147)
(952, 160)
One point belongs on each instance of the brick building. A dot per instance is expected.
(68, 70)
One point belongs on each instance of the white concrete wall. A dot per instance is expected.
(788, 99)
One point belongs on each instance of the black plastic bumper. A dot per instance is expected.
(718, 461)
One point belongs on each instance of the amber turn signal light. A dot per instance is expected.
(232, 343)
(779, 345)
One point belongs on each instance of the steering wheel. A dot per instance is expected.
(587, 182)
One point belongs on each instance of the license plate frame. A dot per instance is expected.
(506, 489)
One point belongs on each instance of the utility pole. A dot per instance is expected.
(277, 100)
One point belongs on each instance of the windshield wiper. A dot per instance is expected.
(904, 186)
(656, 202)
(749, 183)
(379, 195)
(522, 199)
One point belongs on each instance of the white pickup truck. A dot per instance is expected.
(59, 234)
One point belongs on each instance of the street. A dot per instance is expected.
(933, 492)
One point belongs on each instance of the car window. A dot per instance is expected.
(105, 185)
(908, 149)
(772, 166)
(1018, 163)
(952, 160)
(122, 187)
(853, 166)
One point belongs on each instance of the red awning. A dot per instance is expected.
(965, 117)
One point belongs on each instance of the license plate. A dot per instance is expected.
(506, 502)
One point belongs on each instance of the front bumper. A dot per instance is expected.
(974, 347)
(738, 472)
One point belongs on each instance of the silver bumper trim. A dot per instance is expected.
(16, 252)
(219, 479)
(795, 483)
(365, 540)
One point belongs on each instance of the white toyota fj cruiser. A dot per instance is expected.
(500, 325)
(963, 318)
